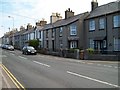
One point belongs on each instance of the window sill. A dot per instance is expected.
(116, 27)
(101, 29)
(73, 35)
(91, 30)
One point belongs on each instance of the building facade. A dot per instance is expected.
(102, 27)
(65, 33)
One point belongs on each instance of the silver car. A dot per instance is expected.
(10, 47)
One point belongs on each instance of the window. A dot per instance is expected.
(40, 34)
(104, 44)
(91, 43)
(102, 23)
(73, 44)
(53, 32)
(116, 21)
(47, 44)
(73, 30)
(61, 30)
(46, 33)
(91, 25)
(61, 44)
(116, 44)
(31, 36)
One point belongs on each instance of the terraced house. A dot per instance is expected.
(65, 33)
(102, 27)
(98, 29)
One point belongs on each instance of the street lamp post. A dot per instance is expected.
(13, 29)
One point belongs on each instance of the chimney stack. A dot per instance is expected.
(69, 13)
(29, 26)
(41, 23)
(94, 4)
(54, 17)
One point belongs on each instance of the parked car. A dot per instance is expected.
(4, 46)
(29, 50)
(10, 47)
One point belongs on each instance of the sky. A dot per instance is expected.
(22, 12)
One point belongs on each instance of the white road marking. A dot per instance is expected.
(12, 54)
(105, 65)
(115, 67)
(109, 66)
(22, 57)
(11, 51)
(99, 64)
(92, 79)
(41, 64)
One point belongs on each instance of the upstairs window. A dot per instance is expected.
(61, 31)
(92, 25)
(73, 30)
(46, 33)
(40, 34)
(116, 21)
(53, 33)
(102, 23)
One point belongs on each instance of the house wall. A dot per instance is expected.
(109, 31)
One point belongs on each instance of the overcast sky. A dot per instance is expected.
(30, 11)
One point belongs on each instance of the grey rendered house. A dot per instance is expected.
(18, 37)
(49, 32)
(65, 33)
(102, 27)
(29, 34)
(39, 32)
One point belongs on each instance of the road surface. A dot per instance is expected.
(44, 71)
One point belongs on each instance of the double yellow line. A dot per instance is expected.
(14, 80)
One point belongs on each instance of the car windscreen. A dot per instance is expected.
(30, 48)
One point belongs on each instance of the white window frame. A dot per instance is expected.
(116, 44)
(102, 23)
(31, 36)
(53, 32)
(73, 30)
(104, 43)
(116, 21)
(73, 44)
(61, 31)
(91, 43)
(92, 25)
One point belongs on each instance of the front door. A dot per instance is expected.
(98, 45)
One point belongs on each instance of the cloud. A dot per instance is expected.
(30, 11)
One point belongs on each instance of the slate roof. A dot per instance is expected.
(47, 26)
(19, 32)
(29, 31)
(64, 22)
(105, 9)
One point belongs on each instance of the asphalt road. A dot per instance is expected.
(44, 71)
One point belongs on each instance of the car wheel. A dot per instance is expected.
(22, 52)
(26, 53)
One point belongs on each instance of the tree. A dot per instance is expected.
(34, 43)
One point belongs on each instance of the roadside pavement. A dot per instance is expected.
(5, 81)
